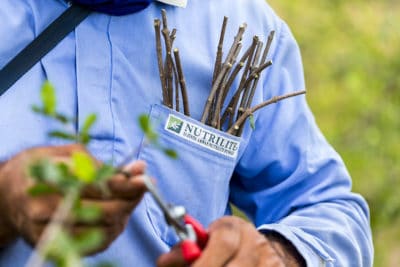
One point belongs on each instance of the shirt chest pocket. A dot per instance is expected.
(199, 178)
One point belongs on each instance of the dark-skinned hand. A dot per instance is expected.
(27, 216)
(234, 242)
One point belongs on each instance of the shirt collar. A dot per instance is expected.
(179, 3)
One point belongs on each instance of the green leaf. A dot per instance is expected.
(37, 109)
(105, 172)
(61, 251)
(41, 189)
(104, 264)
(144, 123)
(145, 126)
(84, 167)
(61, 118)
(90, 120)
(62, 135)
(252, 123)
(88, 213)
(48, 98)
(170, 153)
(89, 241)
(45, 171)
(84, 138)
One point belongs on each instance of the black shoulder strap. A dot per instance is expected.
(39, 47)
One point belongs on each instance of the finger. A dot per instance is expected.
(135, 168)
(40, 209)
(112, 212)
(107, 235)
(121, 187)
(174, 258)
(125, 185)
(255, 250)
(223, 244)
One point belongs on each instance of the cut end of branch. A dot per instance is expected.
(164, 18)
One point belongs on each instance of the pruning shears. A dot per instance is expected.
(191, 233)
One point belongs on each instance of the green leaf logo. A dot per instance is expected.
(174, 124)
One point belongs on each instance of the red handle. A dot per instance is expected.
(201, 233)
(190, 251)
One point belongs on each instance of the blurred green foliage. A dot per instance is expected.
(351, 55)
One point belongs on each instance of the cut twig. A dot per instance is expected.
(232, 106)
(157, 29)
(231, 109)
(218, 60)
(263, 59)
(267, 46)
(216, 116)
(168, 68)
(182, 83)
(176, 86)
(172, 36)
(246, 70)
(210, 99)
(233, 52)
(253, 65)
(251, 111)
(234, 74)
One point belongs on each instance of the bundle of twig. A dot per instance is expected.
(254, 61)
(250, 65)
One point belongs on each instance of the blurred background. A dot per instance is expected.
(351, 55)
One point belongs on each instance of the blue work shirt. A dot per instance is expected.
(284, 174)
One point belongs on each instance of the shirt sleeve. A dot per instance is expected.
(290, 180)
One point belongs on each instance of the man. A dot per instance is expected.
(284, 175)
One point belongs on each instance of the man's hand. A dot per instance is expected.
(235, 242)
(27, 216)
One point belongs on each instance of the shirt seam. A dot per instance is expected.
(111, 91)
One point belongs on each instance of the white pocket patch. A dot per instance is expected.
(202, 136)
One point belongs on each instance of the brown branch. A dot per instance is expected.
(247, 89)
(216, 119)
(235, 99)
(267, 46)
(248, 63)
(230, 81)
(160, 60)
(234, 74)
(182, 83)
(236, 41)
(164, 18)
(172, 36)
(176, 84)
(218, 59)
(250, 111)
(254, 86)
(225, 68)
(168, 68)
(233, 104)
(214, 89)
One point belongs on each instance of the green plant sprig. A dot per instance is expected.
(69, 179)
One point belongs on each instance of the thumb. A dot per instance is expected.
(174, 258)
